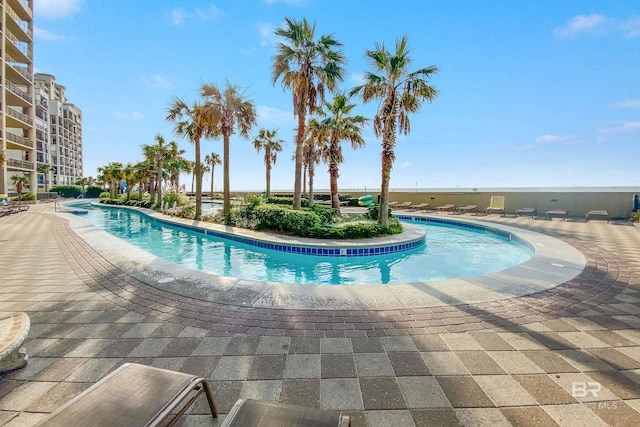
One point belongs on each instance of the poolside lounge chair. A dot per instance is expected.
(403, 205)
(468, 208)
(526, 212)
(419, 207)
(558, 213)
(598, 214)
(496, 205)
(444, 208)
(139, 395)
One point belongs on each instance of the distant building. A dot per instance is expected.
(17, 112)
(64, 132)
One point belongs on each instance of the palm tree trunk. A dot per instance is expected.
(304, 178)
(198, 180)
(297, 186)
(333, 177)
(267, 158)
(159, 180)
(311, 174)
(193, 178)
(227, 195)
(387, 163)
(213, 168)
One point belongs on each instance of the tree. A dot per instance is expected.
(266, 141)
(306, 67)
(44, 169)
(129, 176)
(228, 111)
(212, 160)
(316, 138)
(175, 164)
(112, 173)
(400, 92)
(158, 153)
(338, 126)
(19, 181)
(191, 122)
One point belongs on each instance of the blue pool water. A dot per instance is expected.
(449, 252)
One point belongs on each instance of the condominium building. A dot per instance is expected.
(63, 130)
(17, 111)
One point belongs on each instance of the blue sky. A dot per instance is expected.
(532, 93)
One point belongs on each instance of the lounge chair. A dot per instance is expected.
(139, 395)
(468, 208)
(558, 213)
(598, 214)
(526, 212)
(444, 208)
(419, 207)
(403, 205)
(496, 205)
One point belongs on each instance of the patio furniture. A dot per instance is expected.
(403, 205)
(133, 395)
(526, 212)
(557, 214)
(468, 208)
(496, 205)
(260, 413)
(445, 208)
(14, 329)
(598, 214)
(419, 207)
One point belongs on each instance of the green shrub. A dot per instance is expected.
(326, 213)
(172, 196)
(67, 191)
(374, 211)
(360, 230)
(286, 201)
(285, 219)
(188, 211)
(24, 197)
(111, 201)
(105, 195)
(93, 192)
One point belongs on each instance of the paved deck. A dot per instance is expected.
(507, 362)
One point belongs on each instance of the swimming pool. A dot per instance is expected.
(450, 252)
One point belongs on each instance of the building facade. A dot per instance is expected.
(63, 129)
(17, 110)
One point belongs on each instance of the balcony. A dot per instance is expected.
(20, 164)
(23, 46)
(22, 117)
(19, 92)
(26, 142)
(19, 67)
(23, 9)
(19, 23)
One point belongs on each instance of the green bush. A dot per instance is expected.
(139, 203)
(286, 201)
(67, 191)
(173, 196)
(24, 197)
(111, 201)
(188, 211)
(326, 213)
(286, 219)
(374, 211)
(93, 192)
(360, 230)
(105, 195)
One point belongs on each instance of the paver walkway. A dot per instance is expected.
(568, 356)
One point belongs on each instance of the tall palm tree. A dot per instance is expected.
(44, 169)
(266, 140)
(400, 92)
(306, 66)
(158, 153)
(212, 160)
(316, 138)
(129, 176)
(230, 112)
(192, 122)
(19, 181)
(338, 127)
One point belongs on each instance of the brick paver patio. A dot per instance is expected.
(512, 362)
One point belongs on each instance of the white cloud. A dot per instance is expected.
(621, 127)
(631, 27)
(267, 33)
(627, 104)
(157, 81)
(274, 116)
(56, 9)
(47, 35)
(131, 116)
(407, 165)
(179, 16)
(582, 24)
(358, 78)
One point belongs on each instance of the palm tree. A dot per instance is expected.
(19, 181)
(400, 92)
(230, 112)
(212, 160)
(266, 141)
(192, 122)
(112, 173)
(339, 126)
(158, 153)
(44, 169)
(129, 176)
(175, 164)
(306, 66)
(316, 137)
